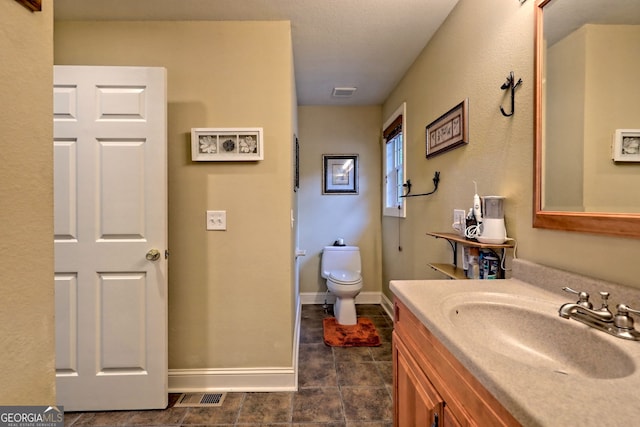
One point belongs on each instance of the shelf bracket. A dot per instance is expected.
(454, 248)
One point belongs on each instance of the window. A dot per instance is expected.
(393, 141)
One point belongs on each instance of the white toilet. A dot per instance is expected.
(342, 268)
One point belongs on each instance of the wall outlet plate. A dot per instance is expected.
(216, 220)
(459, 220)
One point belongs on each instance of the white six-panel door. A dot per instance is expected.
(110, 213)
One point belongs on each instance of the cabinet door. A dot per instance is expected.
(417, 402)
(451, 421)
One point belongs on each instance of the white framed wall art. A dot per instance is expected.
(626, 145)
(226, 144)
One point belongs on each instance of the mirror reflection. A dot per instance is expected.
(590, 88)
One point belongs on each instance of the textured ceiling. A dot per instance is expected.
(367, 44)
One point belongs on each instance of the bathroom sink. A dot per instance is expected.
(529, 331)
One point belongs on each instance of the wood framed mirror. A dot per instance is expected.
(575, 119)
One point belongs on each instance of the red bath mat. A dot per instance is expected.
(363, 334)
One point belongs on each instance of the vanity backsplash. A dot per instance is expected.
(554, 280)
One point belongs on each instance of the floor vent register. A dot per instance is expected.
(200, 400)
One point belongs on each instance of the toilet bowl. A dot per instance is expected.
(341, 267)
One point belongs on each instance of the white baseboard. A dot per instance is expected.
(320, 297)
(262, 379)
(240, 380)
(232, 380)
(362, 298)
(387, 304)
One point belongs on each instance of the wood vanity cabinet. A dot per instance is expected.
(419, 404)
(431, 387)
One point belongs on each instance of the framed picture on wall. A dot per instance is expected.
(226, 144)
(32, 5)
(339, 174)
(626, 145)
(448, 131)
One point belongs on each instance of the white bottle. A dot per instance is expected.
(473, 271)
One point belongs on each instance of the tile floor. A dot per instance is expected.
(337, 387)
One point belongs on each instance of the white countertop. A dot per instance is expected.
(535, 396)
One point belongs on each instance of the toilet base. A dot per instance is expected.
(344, 310)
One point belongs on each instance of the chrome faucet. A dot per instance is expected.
(570, 309)
(620, 325)
(583, 306)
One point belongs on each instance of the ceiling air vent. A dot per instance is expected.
(343, 92)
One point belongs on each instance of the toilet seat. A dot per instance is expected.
(344, 277)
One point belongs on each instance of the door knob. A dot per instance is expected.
(153, 255)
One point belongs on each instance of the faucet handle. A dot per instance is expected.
(622, 318)
(583, 297)
(605, 300)
(626, 309)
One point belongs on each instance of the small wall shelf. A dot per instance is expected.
(449, 270)
(452, 270)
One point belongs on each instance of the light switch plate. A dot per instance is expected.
(216, 220)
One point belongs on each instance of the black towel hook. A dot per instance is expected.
(510, 84)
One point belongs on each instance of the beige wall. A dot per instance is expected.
(231, 293)
(27, 365)
(325, 218)
(470, 56)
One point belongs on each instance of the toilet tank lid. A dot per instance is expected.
(341, 248)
